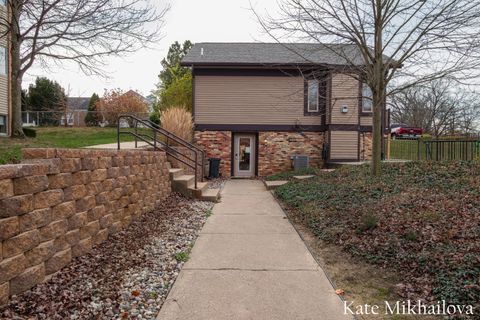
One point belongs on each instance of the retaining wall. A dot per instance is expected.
(61, 202)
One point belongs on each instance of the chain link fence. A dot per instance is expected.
(76, 118)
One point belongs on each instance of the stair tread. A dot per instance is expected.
(173, 170)
(185, 177)
(210, 192)
(200, 185)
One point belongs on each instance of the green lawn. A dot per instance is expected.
(58, 137)
(420, 220)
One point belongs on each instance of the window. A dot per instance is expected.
(367, 102)
(3, 125)
(312, 96)
(3, 60)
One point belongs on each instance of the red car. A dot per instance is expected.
(404, 131)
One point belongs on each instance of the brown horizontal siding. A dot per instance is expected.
(366, 121)
(344, 92)
(343, 145)
(251, 100)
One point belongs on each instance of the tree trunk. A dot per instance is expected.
(16, 86)
(378, 106)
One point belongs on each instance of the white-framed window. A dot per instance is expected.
(313, 100)
(3, 124)
(3, 61)
(367, 98)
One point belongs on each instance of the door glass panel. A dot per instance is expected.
(245, 151)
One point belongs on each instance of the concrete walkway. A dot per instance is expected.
(123, 145)
(249, 263)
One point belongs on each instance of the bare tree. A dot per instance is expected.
(412, 40)
(82, 31)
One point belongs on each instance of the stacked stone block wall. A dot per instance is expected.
(61, 202)
(366, 143)
(277, 148)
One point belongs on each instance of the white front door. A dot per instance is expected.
(244, 155)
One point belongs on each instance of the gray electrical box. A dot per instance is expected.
(300, 162)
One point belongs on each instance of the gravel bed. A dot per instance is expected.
(217, 183)
(126, 277)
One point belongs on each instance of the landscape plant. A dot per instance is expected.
(178, 121)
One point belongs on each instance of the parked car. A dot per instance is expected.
(404, 131)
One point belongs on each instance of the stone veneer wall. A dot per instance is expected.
(277, 148)
(366, 142)
(216, 144)
(61, 202)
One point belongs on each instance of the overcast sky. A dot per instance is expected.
(198, 21)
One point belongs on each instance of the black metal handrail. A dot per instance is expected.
(160, 145)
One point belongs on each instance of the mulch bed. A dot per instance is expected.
(126, 277)
(421, 220)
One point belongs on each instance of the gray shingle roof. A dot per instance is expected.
(272, 54)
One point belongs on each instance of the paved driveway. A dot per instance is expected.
(250, 263)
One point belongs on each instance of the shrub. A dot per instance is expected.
(368, 222)
(179, 121)
(30, 132)
(155, 117)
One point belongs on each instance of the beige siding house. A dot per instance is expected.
(5, 105)
(258, 105)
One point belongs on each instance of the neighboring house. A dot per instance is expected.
(77, 108)
(256, 105)
(5, 77)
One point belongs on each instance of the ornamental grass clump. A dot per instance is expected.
(178, 121)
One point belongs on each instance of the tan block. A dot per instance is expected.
(96, 213)
(106, 221)
(98, 175)
(101, 236)
(85, 204)
(113, 172)
(17, 205)
(94, 188)
(123, 202)
(61, 243)
(32, 184)
(81, 177)
(4, 293)
(109, 184)
(38, 153)
(91, 228)
(102, 198)
(63, 210)
(89, 163)
(28, 279)
(70, 165)
(75, 192)
(82, 247)
(105, 162)
(40, 253)
(21, 243)
(11, 267)
(53, 230)
(73, 237)
(48, 198)
(9, 227)
(60, 181)
(6, 188)
(35, 219)
(115, 227)
(117, 161)
(77, 220)
(58, 261)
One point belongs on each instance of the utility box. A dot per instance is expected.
(300, 162)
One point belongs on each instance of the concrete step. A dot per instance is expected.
(185, 180)
(175, 173)
(197, 193)
(211, 195)
(272, 185)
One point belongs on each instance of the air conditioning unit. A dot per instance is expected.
(300, 162)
